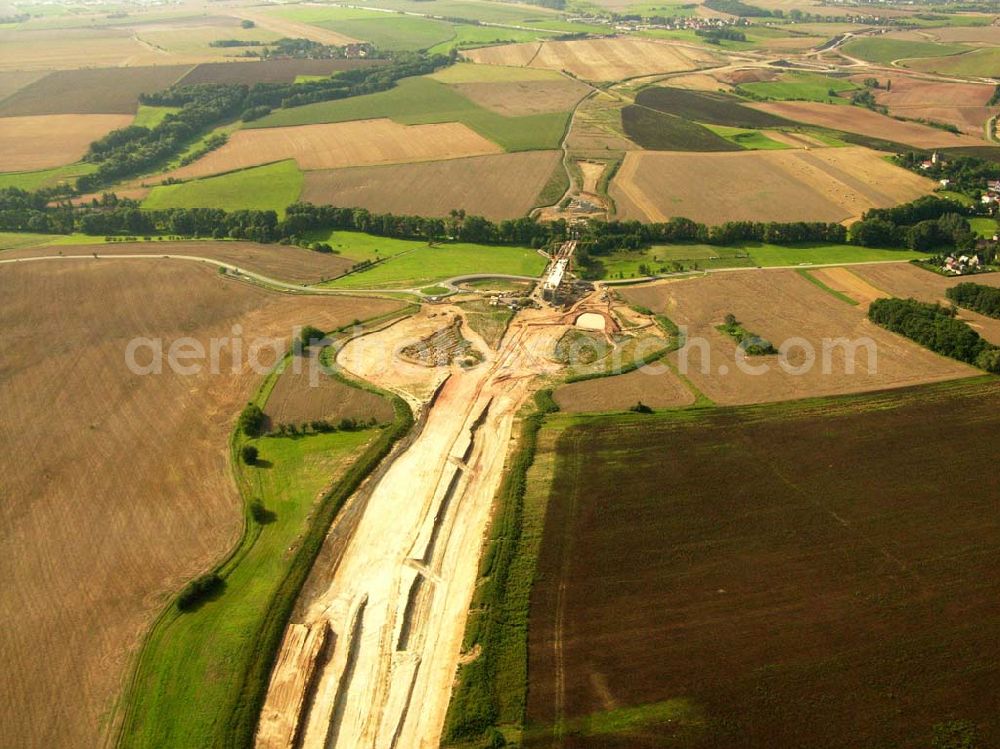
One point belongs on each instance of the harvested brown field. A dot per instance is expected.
(292, 29)
(866, 122)
(698, 82)
(829, 184)
(747, 75)
(65, 49)
(281, 262)
(519, 98)
(91, 91)
(341, 144)
(45, 141)
(848, 283)
(268, 71)
(598, 59)
(960, 104)
(910, 281)
(975, 35)
(13, 81)
(304, 394)
(497, 187)
(799, 575)
(662, 390)
(117, 486)
(782, 306)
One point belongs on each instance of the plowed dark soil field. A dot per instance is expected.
(815, 574)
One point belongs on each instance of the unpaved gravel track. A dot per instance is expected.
(398, 600)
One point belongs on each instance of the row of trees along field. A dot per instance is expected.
(982, 299)
(47, 212)
(136, 150)
(927, 223)
(936, 328)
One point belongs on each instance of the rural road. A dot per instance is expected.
(274, 283)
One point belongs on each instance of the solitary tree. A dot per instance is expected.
(249, 454)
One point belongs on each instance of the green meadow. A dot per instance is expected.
(269, 187)
(426, 265)
(802, 86)
(884, 51)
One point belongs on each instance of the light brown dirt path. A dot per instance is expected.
(398, 600)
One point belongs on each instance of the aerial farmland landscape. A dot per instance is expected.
(584, 374)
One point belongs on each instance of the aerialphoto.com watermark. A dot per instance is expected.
(238, 353)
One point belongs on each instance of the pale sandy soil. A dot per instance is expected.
(399, 597)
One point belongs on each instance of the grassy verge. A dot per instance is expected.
(491, 689)
(202, 676)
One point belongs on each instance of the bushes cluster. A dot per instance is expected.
(252, 420)
(752, 344)
(323, 426)
(982, 299)
(927, 223)
(198, 590)
(935, 327)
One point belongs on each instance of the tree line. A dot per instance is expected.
(936, 327)
(982, 299)
(928, 222)
(135, 150)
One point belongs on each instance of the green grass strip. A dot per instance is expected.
(816, 282)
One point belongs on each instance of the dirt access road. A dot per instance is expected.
(373, 661)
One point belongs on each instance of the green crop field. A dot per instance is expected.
(472, 10)
(188, 677)
(427, 265)
(984, 227)
(752, 140)
(466, 36)
(802, 86)
(884, 51)
(387, 31)
(150, 117)
(686, 257)
(981, 63)
(12, 240)
(360, 247)
(44, 177)
(421, 101)
(269, 187)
